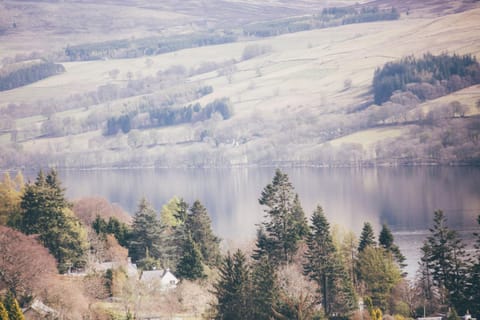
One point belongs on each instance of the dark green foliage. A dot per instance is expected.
(133, 48)
(164, 116)
(263, 246)
(198, 225)
(120, 230)
(324, 266)
(233, 289)
(13, 308)
(147, 236)
(446, 259)
(29, 74)
(115, 124)
(385, 240)
(190, 264)
(367, 238)
(370, 14)
(448, 73)
(182, 213)
(473, 280)
(46, 213)
(283, 227)
(264, 288)
(108, 278)
(330, 17)
(320, 255)
(299, 219)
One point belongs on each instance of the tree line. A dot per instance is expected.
(168, 116)
(427, 77)
(342, 273)
(297, 269)
(28, 74)
(134, 48)
(329, 17)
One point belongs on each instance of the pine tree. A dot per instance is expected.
(264, 289)
(385, 240)
(284, 225)
(46, 212)
(198, 224)
(319, 257)
(13, 308)
(367, 238)
(147, 234)
(233, 289)
(264, 247)
(3, 312)
(446, 258)
(181, 213)
(299, 219)
(473, 292)
(190, 264)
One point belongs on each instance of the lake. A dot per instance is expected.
(404, 198)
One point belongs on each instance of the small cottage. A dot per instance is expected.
(159, 279)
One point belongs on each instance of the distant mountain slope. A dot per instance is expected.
(303, 98)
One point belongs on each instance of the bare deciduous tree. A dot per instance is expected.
(25, 265)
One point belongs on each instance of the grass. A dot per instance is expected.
(289, 90)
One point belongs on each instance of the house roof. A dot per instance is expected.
(157, 275)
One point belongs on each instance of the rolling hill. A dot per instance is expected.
(299, 98)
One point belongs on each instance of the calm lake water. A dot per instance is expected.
(404, 198)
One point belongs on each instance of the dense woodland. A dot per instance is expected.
(30, 73)
(294, 270)
(428, 77)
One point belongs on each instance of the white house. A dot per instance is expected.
(159, 279)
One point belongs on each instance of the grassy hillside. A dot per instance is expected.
(304, 99)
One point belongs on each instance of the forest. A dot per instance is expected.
(428, 77)
(29, 73)
(296, 268)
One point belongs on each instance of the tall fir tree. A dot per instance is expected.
(473, 283)
(367, 237)
(147, 235)
(386, 241)
(301, 223)
(46, 212)
(198, 224)
(190, 263)
(325, 267)
(445, 256)
(264, 289)
(320, 255)
(284, 219)
(233, 289)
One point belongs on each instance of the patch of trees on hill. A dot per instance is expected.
(352, 15)
(125, 48)
(330, 17)
(428, 77)
(168, 116)
(29, 74)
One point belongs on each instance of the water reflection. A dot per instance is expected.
(404, 198)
